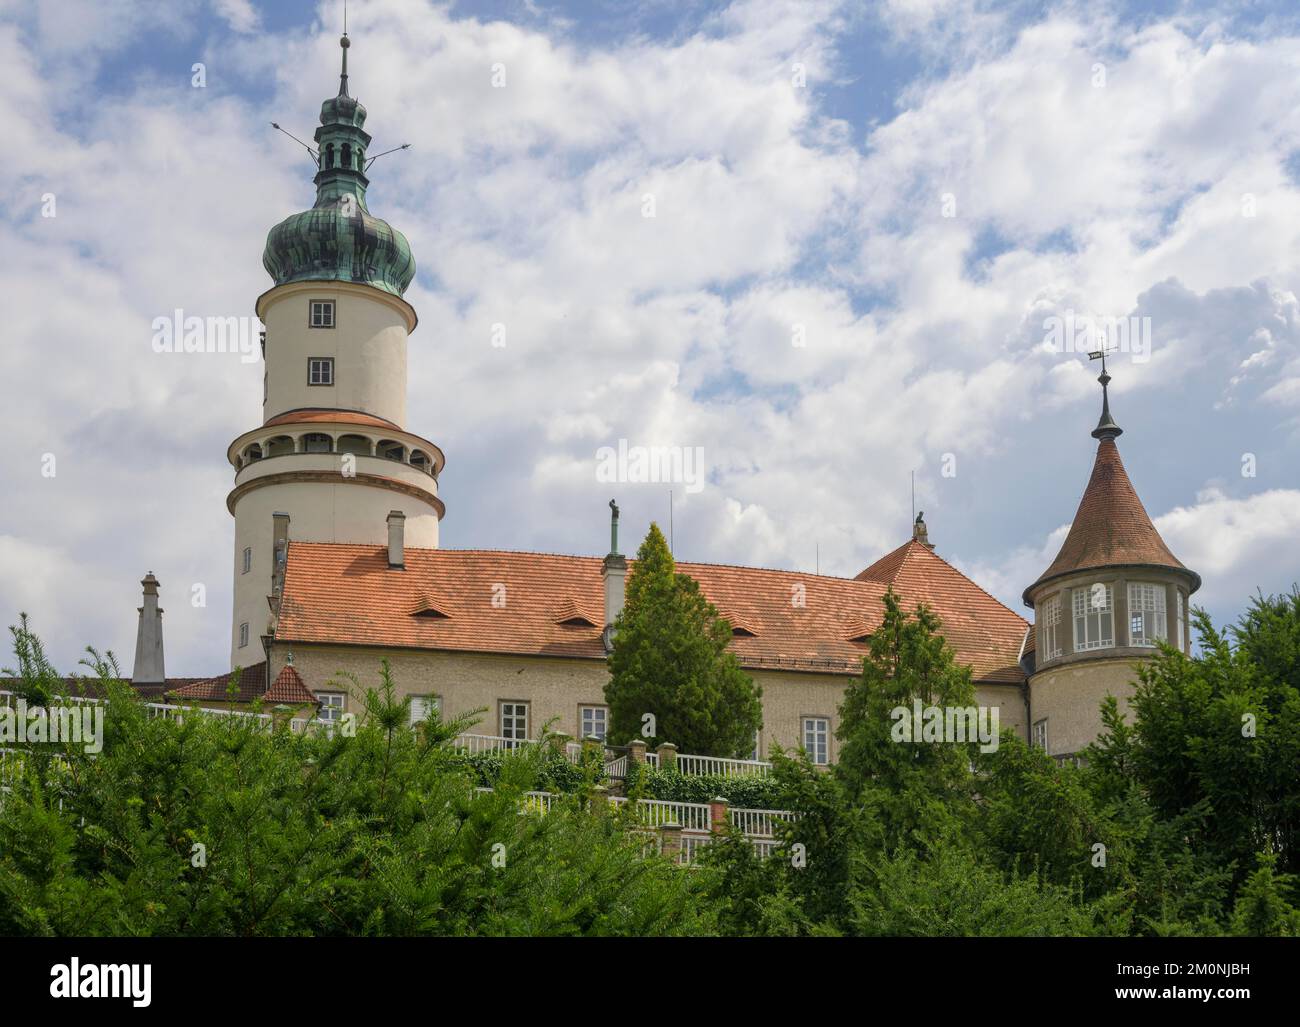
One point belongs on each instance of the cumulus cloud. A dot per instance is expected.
(798, 306)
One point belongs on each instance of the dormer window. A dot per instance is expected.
(1146, 611)
(322, 314)
(1048, 629)
(1094, 617)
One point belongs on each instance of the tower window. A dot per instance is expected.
(248, 559)
(243, 635)
(322, 314)
(320, 371)
(1182, 623)
(1146, 612)
(1094, 618)
(1040, 734)
(1049, 629)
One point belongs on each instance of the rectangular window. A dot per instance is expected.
(243, 634)
(320, 371)
(816, 739)
(322, 313)
(594, 721)
(423, 707)
(757, 747)
(1146, 614)
(514, 722)
(1049, 629)
(1181, 621)
(248, 560)
(332, 705)
(1040, 735)
(1094, 618)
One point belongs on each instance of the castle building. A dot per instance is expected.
(337, 563)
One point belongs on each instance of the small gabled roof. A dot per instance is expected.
(288, 688)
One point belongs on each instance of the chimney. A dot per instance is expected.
(149, 640)
(614, 571)
(397, 539)
(920, 533)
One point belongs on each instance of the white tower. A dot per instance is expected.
(332, 458)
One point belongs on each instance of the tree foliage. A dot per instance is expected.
(670, 662)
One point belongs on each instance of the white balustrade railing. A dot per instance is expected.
(760, 823)
(693, 816)
(699, 765)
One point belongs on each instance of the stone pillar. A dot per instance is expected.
(559, 742)
(600, 800)
(667, 756)
(670, 841)
(149, 638)
(718, 815)
(636, 751)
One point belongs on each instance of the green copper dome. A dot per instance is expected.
(339, 240)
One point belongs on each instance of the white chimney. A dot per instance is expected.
(149, 639)
(614, 571)
(396, 539)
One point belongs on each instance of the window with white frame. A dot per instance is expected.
(1040, 734)
(594, 721)
(1180, 619)
(331, 708)
(1146, 614)
(1049, 628)
(514, 721)
(816, 739)
(248, 559)
(1094, 617)
(243, 634)
(757, 747)
(320, 370)
(423, 707)
(322, 313)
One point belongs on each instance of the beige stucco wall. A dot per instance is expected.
(368, 344)
(1069, 698)
(348, 511)
(555, 688)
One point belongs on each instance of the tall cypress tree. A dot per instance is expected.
(670, 661)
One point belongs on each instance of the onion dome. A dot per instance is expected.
(339, 240)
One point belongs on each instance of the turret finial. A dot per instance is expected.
(1106, 427)
(344, 43)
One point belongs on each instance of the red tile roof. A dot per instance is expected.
(252, 685)
(288, 688)
(347, 595)
(336, 416)
(1111, 527)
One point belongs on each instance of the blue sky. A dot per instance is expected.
(1114, 160)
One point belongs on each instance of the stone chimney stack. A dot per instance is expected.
(149, 638)
(614, 571)
(397, 539)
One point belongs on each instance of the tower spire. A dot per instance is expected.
(344, 43)
(1106, 426)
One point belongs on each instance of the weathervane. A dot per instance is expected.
(1106, 427)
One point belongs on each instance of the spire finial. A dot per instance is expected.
(344, 43)
(1106, 427)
